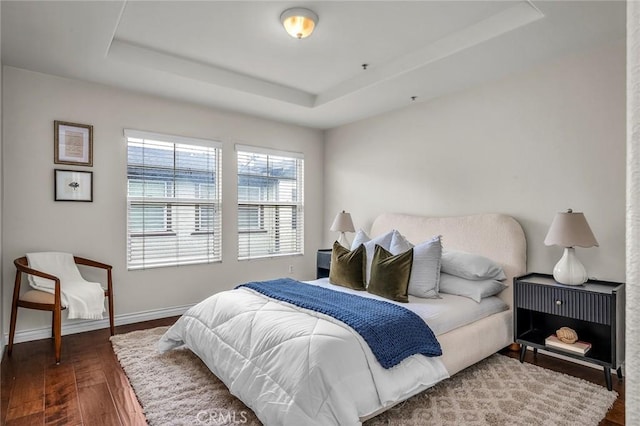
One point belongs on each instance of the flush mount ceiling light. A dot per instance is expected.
(299, 22)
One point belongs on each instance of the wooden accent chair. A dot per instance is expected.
(35, 299)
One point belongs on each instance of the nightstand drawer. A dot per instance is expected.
(581, 305)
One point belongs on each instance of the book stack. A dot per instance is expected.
(578, 347)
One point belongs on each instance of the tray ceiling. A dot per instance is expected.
(237, 56)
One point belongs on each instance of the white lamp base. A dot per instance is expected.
(569, 270)
(344, 242)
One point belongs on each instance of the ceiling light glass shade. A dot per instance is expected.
(568, 230)
(299, 22)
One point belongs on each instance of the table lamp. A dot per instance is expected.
(569, 230)
(343, 223)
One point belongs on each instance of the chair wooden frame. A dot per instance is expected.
(22, 266)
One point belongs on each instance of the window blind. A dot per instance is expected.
(270, 202)
(173, 200)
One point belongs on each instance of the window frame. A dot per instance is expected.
(191, 160)
(297, 203)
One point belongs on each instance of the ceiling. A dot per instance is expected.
(236, 55)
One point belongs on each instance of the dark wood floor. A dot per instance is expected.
(90, 388)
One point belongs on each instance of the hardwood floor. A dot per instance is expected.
(87, 388)
(90, 388)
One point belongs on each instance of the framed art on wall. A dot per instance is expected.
(73, 143)
(73, 185)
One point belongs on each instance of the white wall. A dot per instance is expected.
(34, 222)
(529, 145)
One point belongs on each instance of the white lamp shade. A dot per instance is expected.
(343, 223)
(570, 229)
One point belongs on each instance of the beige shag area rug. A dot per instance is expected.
(178, 389)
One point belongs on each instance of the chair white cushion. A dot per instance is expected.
(83, 299)
(61, 265)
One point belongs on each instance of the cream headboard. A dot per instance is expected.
(496, 236)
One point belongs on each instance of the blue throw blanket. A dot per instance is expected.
(392, 332)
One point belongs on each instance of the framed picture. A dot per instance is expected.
(73, 143)
(73, 185)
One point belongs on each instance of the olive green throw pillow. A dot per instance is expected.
(347, 267)
(390, 274)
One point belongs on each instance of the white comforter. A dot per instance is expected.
(293, 366)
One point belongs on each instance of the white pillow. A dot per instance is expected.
(470, 266)
(383, 241)
(360, 238)
(473, 289)
(425, 270)
(399, 243)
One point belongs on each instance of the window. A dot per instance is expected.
(250, 216)
(205, 213)
(205, 220)
(270, 202)
(173, 200)
(149, 218)
(250, 219)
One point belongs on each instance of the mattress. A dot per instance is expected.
(441, 315)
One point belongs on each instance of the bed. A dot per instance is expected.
(294, 366)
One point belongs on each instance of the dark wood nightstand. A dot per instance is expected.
(595, 310)
(323, 263)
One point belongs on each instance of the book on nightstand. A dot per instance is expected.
(578, 347)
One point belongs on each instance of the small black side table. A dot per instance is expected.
(323, 263)
(595, 310)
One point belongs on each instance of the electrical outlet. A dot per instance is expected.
(291, 269)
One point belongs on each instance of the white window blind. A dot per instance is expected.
(173, 200)
(270, 202)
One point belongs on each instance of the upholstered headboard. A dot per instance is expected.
(496, 236)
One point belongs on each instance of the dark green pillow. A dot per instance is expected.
(347, 267)
(390, 274)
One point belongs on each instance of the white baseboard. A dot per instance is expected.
(80, 326)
